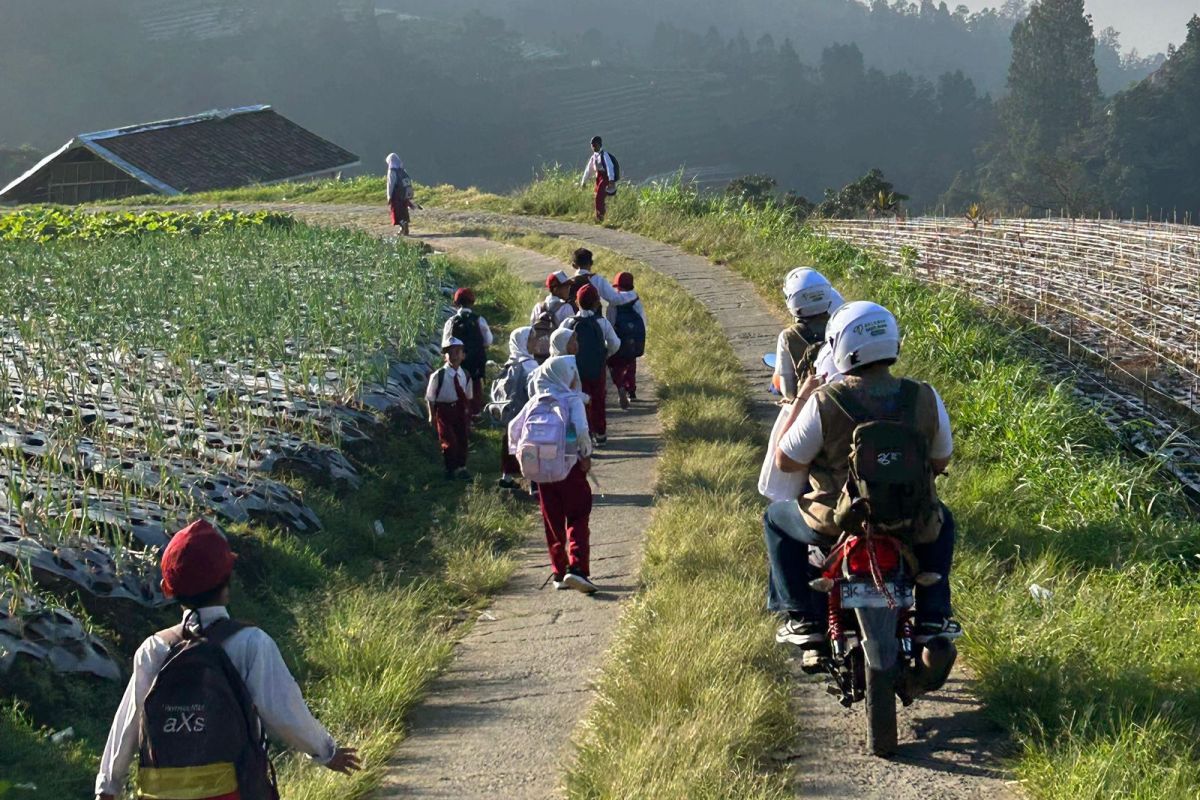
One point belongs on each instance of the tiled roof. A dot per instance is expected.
(222, 149)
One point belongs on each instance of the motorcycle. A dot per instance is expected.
(872, 656)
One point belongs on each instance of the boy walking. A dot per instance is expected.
(600, 165)
(596, 341)
(214, 749)
(549, 314)
(448, 396)
(628, 319)
(476, 337)
(582, 260)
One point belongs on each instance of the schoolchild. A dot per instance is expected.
(583, 261)
(231, 694)
(566, 502)
(448, 396)
(473, 331)
(510, 393)
(596, 341)
(628, 319)
(549, 314)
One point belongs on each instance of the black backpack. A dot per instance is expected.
(200, 732)
(465, 328)
(890, 483)
(593, 351)
(616, 176)
(577, 283)
(631, 331)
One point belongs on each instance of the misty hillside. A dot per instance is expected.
(813, 92)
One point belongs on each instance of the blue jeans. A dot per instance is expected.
(788, 537)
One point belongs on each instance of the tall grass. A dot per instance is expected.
(1098, 680)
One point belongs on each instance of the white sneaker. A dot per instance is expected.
(558, 582)
(579, 583)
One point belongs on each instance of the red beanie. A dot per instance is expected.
(588, 297)
(625, 281)
(464, 297)
(197, 560)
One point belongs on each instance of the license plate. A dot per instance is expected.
(868, 595)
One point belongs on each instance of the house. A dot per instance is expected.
(215, 150)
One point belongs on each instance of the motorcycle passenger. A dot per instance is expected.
(864, 339)
(810, 299)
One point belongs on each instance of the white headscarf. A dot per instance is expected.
(558, 376)
(394, 162)
(518, 345)
(395, 168)
(559, 341)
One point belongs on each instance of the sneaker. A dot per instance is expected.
(506, 483)
(623, 397)
(601, 440)
(559, 583)
(947, 628)
(633, 395)
(579, 583)
(462, 474)
(802, 633)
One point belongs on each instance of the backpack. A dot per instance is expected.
(890, 483)
(593, 351)
(543, 328)
(200, 735)
(542, 441)
(631, 330)
(616, 176)
(804, 345)
(577, 283)
(465, 328)
(510, 393)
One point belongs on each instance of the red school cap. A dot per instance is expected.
(624, 281)
(464, 297)
(587, 297)
(555, 279)
(197, 560)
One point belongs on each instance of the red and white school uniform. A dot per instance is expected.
(596, 389)
(601, 166)
(624, 370)
(451, 409)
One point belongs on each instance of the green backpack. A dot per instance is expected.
(890, 483)
(804, 345)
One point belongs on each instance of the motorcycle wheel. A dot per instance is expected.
(881, 711)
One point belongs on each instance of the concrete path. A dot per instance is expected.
(948, 747)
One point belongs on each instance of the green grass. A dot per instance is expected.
(675, 719)
(365, 620)
(1098, 684)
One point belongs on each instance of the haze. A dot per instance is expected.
(1148, 25)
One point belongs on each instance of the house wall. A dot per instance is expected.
(78, 176)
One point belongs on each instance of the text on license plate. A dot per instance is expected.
(868, 595)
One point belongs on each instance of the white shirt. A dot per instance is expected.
(484, 330)
(447, 394)
(610, 313)
(612, 342)
(599, 162)
(804, 439)
(606, 290)
(272, 688)
(562, 310)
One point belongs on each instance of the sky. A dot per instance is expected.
(1148, 25)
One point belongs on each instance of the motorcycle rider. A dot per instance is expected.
(864, 340)
(810, 299)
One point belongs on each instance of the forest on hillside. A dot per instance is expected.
(1021, 108)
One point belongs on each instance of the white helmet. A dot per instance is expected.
(808, 292)
(862, 333)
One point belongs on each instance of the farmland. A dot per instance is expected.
(261, 373)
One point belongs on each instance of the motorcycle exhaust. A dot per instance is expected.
(937, 660)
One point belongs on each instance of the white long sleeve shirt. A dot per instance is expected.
(447, 393)
(612, 342)
(599, 162)
(484, 330)
(562, 310)
(608, 293)
(272, 688)
(610, 313)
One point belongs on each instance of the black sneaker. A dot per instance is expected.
(601, 440)
(463, 474)
(557, 580)
(632, 395)
(802, 633)
(506, 483)
(947, 628)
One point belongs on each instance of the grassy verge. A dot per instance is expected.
(1099, 682)
(365, 619)
(692, 698)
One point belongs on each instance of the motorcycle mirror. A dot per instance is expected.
(821, 585)
(927, 579)
(769, 360)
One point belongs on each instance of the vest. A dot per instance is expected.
(829, 470)
(804, 340)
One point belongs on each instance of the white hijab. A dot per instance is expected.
(558, 376)
(518, 345)
(394, 162)
(559, 340)
(395, 167)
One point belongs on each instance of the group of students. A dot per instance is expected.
(550, 397)
(833, 368)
